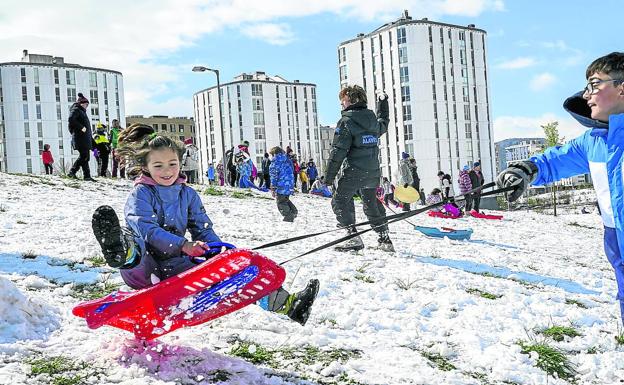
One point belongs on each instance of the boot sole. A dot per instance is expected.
(107, 231)
(304, 315)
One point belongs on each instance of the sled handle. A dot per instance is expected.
(215, 249)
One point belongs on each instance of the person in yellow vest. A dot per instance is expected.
(103, 148)
(305, 181)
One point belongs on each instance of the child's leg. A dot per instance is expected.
(284, 207)
(293, 208)
(613, 255)
(296, 306)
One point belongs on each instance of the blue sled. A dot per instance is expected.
(457, 235)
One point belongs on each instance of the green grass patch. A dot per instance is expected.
(551, 360)
(482, 293)
(569, 301)
(71, 183)
(97, 261)
(254, 353)
(592, 350)
(241, 195)
(212, 190)
(95, 290)
(619, 339)
(404, 284)
(364, 278)
(20, 222)
(438, 361)
(362, 269)
(558, 333)
(60, 370)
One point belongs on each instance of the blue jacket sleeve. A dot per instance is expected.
(143, 219)
(199, 225)
(561, 162)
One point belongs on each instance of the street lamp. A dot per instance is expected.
(204, 69)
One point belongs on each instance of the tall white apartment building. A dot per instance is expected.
(435, 75)
(265, 110)
(35, 96)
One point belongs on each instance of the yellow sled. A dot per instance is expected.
(406, 194)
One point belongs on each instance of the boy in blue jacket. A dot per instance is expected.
(283, 183)
(159, 211)
(599, 151)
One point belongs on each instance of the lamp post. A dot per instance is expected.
(204, 69)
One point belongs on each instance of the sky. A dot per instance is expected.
(537, 50)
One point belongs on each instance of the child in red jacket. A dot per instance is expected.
(46, 157)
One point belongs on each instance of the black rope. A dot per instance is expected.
(377, 223)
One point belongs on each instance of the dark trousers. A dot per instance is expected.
(286, 207)
(103, 164)
(469, 199)
(267, 180)
(476, 200)
(48, 168)
(344, 208)
(83, 163)
(122, 170)
(390, 198)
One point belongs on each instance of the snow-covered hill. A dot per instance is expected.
(434, 312)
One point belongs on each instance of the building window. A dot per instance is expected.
(24, 93)
(257, 105)
(70, 76)
(57, 93)
(256, 90)
(94, 97)
(29, 162)
(40, 129)
(28, 152)
(95, 112)
(92, 79)
(402, 55)
(342, 54)
(408, 132)
(56, 77)
(23, 73)
(405, 94)
(401, 36)
(343, 72)
(61, 147)
(58, 112)
(38, 111)
(26, 130)
(37, 94)
(466, 113)
(407, 112)
(180, 127)
(258, 118)
(71, 95)
(404, 72)
(25, 111)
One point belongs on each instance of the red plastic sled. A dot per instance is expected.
(440, 214)
(477, 214)
(221, 285)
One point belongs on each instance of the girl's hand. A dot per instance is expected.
(195, 249)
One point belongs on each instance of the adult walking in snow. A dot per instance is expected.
(414, 170)
(266, 175)
(599, 151)
(46, 157)
(405, 175)
(477, 180)
(446, 185)
(190, 162)
(103, 147)
(355, 153)
(210, 174)
(82, 137)
(113, 138)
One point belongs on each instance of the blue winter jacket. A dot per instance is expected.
(598, 151)
(312, 172)
(160, 215)
(281, 172)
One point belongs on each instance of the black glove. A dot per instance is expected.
(518, 174)
(406, 185)
(383, 110)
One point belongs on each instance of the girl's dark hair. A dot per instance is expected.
(276, 150)
(138, 140)
(435, 191)
(46, 147)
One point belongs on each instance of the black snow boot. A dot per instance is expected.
(298, 305)
(384, 243)
(352, 244)
(117, 243)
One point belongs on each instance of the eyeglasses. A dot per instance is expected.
(592, 87)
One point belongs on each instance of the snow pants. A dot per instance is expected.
(344, 208)
(612, 251)
(286, 207)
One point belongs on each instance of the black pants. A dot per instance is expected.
(344, 208)
(103, 163)
(476, 199)
(469, 199)
(390, 198)
(48, 168)
(82, 162)
(286, 207)
(267, 180)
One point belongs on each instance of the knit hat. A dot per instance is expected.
(440, 173)
(81, 99)
(404, 155)
(188, 141)
(466, 168)
(476, 164)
